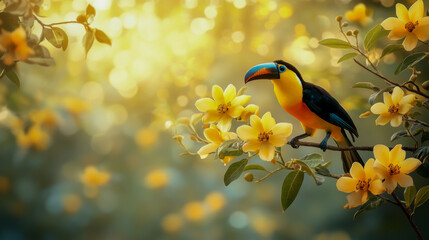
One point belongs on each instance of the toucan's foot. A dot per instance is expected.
(323, 146)
(294, 142)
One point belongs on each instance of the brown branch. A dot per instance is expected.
(359, 148)
(409, 216)
(388, 80)
(417, 121)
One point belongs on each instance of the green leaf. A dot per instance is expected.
(346, 57)
(47, 62)
(290, 188)
(425, 136)
(322, 171)
(255, 167)
(410, 61)
(422, 196)
(13, 77)
(409, 194)
(312, 160)
(373, 36)
(90, 11)
(308, 170)
(88, 40)
(373, 96)
(53, 37)
(234, 171)
(398, 134)
(335, 43)
(367, 85)
(229, 148)
(372, 203)
(390, 49)
(102, 37)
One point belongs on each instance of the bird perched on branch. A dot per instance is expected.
(312, 105)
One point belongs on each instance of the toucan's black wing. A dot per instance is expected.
(326, 107)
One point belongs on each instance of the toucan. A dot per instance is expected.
(312, 105)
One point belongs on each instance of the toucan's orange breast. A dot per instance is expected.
(309, 119)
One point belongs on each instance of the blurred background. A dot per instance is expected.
(96, 159)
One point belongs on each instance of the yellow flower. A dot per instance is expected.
(225, 106)
(361, 181)
(263, 135)
(93, 178)
(14, 46)
(76, 106)
(358, 14)
(391, 166)
(194, 211)
(157, 179)
(410, 24)
(395, 105)
(248, 111)
(216, 137)
(45, 117)
(36, 137)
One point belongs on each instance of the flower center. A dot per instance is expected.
(393, 108)
(410, 26)
(394, 169)
(363, 185)
(264, 136)
(223, 108)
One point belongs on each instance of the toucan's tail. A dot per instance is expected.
(350, 156)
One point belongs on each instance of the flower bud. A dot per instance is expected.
(248, 177)
(349, 33)
(425, 85)
(345, 24)
(356, 32)
(193, 138)
(339, 18)
(178, 138)
(81, 18)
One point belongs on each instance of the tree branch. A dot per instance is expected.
(359, 148)
(409, 217)
(389, 81)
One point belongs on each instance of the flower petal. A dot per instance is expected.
(235, 111)
(396, 120)
(224, 123)
(205, 150)
(390, 185)
(404, 108)
(357, 171)
(246, 132)
(397, 95)
(230, 93)
(422, 32)
(369, 168)
(241, 100)
(381, 154)
(251, 146)
(416, 11)
(410, 42)
(391, 23)
(404, 180)
(217, 94)
(266, 152)
(379, 108)
(211, 117)
(402, 13)
(346, 184)
(383, 119)
(397, 33)
(376, 187)
(213, 135)
(407, 99)
(381, 170)
(282, 128)
(409, 165)
(256, 123)
(268, 122)
(205, 104)
(354, 199)
(387, 99)
(278, 140)
(397, 155)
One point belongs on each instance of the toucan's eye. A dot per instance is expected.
(282, 69)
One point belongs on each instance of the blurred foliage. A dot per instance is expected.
(114, 109)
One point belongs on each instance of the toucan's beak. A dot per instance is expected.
(262, 71)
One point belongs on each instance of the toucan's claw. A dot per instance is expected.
(294, 142)
(324, 143)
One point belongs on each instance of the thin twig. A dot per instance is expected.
(424, 42)
(388, 200)
(388, 80)
(359, 148)
(417, 121)
(269, 174)
(409, 216)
